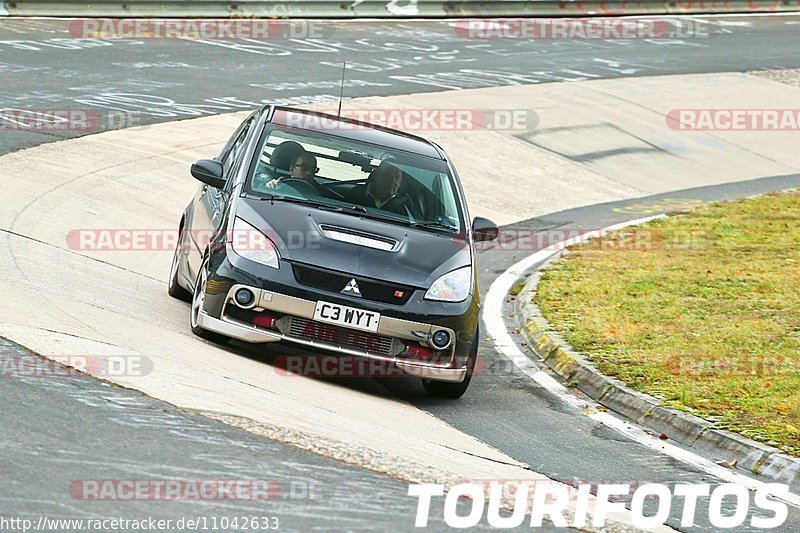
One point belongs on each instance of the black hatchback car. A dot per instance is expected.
(338, 235)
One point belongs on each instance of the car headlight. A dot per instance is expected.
(452, 287)
(246, 241)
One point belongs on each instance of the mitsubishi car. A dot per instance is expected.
(336, 235)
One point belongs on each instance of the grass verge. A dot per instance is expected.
(700, 310)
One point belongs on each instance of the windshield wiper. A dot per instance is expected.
(304, 201)
(363, 212)
(435, 225)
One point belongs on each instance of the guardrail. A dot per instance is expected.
(383, 8)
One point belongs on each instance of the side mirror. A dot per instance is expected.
(210, 172)
(484, 229)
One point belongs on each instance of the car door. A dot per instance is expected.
(209, 202)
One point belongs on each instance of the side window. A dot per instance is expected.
(235, 145)
(228, 145)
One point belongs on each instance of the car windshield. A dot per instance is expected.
(333, 171)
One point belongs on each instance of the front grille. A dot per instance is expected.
(361, 341)
(334, 282)
(320, 279)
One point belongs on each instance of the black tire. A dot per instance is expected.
(453, 391)
(173, 287)
(198, 297)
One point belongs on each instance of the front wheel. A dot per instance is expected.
(198, 298)
(452, 391)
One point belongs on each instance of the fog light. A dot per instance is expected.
(244, 297)
(440, 339)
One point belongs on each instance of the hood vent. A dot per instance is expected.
(359, 238)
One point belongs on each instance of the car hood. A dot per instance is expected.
(306, 234)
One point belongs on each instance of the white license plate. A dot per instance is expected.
(349, 317)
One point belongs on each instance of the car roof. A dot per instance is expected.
(343, 127)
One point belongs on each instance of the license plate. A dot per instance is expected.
(349, 317)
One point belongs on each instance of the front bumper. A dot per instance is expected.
(293, 308)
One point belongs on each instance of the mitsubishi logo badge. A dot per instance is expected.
(352, 286)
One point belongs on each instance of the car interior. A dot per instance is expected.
(425, 197)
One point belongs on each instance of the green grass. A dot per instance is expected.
(701, 310)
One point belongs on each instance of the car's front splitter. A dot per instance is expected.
(298, 308)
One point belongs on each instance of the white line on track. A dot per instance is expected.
(496, 329)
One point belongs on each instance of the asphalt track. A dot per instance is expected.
(83, 424)
(502, 408)
(131, 82)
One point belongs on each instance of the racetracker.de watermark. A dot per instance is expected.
(65, 120)
(188, 489)
(49, 119)
(727, 366)
(634, 239)
(147, 240)
(206, 29)
(421, 120)
(734, 119)
(338, 365)
(58, 366)
(634, 7)
(580, 29)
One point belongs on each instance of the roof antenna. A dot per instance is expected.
(341, 90)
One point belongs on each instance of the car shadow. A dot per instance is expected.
(296, 362)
